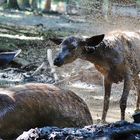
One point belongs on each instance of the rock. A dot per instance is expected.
(38, 105)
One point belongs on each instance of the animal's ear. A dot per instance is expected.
(94, 40)
(57, 41)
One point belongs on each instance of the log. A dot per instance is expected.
(116, 131)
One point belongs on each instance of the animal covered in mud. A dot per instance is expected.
(37, 105)
(116, 55)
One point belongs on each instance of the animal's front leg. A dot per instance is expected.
(138, 101)
(138, 94)
(137, 85)
(126, 89)
(107, 86)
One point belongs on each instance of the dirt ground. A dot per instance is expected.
(80, 76)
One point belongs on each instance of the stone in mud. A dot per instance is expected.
(37, 105)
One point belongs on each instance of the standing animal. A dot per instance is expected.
(38, 105)
(116, 56)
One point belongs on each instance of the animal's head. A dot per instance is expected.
(72, 47)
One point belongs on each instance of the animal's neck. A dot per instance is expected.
(93, 54)
(97, 57)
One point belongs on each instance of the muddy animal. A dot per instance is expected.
(116, 56)
(38, 105)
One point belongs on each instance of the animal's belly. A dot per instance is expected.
(114, 75)
(115, 78)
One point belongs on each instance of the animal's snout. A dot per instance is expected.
(58, 61)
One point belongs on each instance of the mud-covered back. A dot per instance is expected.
(38, 105)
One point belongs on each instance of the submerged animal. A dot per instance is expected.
(116, 56)
(37, 105)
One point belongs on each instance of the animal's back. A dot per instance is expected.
(37, 105)
(128, 43)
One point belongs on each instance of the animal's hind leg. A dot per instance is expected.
(126, 89)
(107, 86)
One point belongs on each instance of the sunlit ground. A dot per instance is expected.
(21, 37)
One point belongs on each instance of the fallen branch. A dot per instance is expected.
(53, 71)
(50, 60)
(39, 68)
